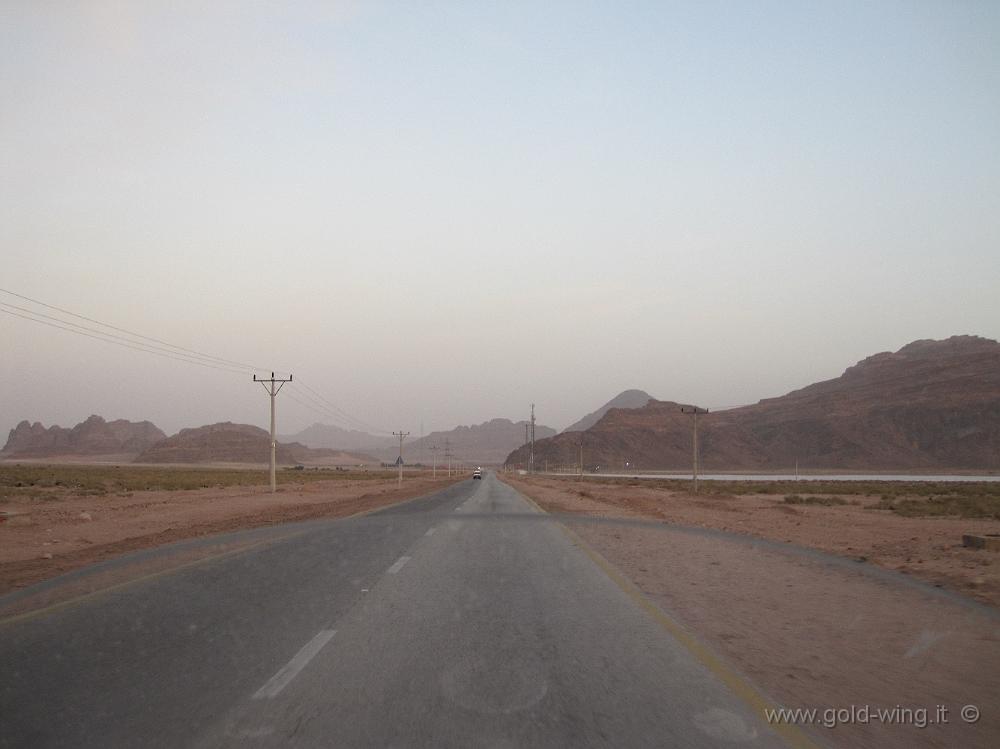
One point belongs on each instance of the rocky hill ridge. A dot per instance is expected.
(94, 436)
(227, 442)
(931, 405)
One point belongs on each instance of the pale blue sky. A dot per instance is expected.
(445, 211)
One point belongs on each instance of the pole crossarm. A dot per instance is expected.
(272, 379)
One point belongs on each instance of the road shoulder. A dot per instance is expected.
(809, 633)
(182, 528)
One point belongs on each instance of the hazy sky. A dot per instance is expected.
(441, 212)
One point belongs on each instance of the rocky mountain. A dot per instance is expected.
(626, 399)
(484, 444)
(330, 436)
(237, 443)
(95, 436)
(932, 405)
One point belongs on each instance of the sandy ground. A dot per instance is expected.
(927, 548)
(45, 539)
(809, 631)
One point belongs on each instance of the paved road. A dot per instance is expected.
(460, 619)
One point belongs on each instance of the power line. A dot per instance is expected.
(139, 345)
(165, 349)
(129, 332)
(729, 407)
(358, 422)
(125, 345)
(339, 416)
(313, 405)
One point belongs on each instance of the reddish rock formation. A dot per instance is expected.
(626, 399)
(487, 443)
(95, 436)
(235, 443)
(932, 405)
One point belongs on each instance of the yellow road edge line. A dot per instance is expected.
(792, 735)
(35, 613)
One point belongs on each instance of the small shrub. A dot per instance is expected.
(963, 507)
(795, 499)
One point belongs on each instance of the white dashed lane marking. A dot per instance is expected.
(291, 669)
(398, 565)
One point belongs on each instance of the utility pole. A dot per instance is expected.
(434, 456)
(272, 387)
(401, 434)
(695, 410)
(447, 454)
(581, 454)
(531, 453)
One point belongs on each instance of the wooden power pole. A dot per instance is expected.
(696, 411)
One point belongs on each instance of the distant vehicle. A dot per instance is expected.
(478, 474)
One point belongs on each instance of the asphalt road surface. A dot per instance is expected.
(461, 619)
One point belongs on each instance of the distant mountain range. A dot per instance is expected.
(142, 442)
(487, 443)
(95, 436)
(327, 435)
(226, 442)
(484, 444)
(237, 443)
(626, 399)
(932, 405)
